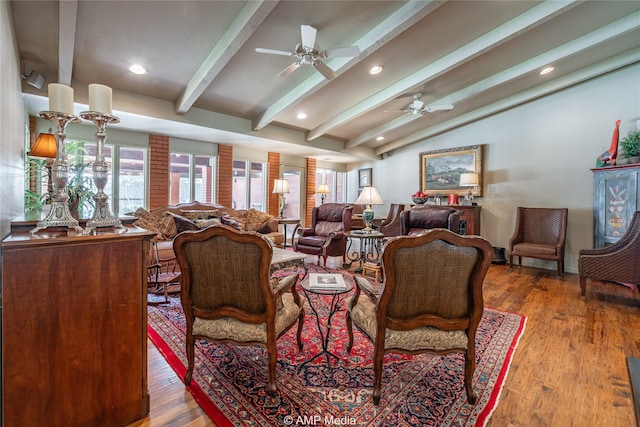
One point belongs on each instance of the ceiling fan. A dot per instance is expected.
(417, 107)
(306, 54)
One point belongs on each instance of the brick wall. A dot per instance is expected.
(273, 172)
(311, 189)
(158, 171)
(225, 174)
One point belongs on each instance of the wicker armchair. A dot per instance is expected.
(431, 300)
(227, 294)
(614, 263)
(540, 233)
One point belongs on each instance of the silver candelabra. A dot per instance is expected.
(59, 215)
(102, 216)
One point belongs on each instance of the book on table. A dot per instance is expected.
(327, 282)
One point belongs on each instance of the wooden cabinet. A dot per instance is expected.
(74, 320)
(469, 219)
(616, 197)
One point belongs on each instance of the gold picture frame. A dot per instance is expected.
(440, 170)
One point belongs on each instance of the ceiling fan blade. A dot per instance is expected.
(290, 69)
(442, 107)
(327, 72)
(342, 52)
(273, 51)
(308, 34)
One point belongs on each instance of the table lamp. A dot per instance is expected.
(46, 148)
(470, 180)
(281, 187)
(369, 196)
(323, 190)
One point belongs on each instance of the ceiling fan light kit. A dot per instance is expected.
(306, 54)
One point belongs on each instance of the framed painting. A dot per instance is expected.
(440, 170)
(364, 178)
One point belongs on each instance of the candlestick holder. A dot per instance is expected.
(59, 215)
(102, 216)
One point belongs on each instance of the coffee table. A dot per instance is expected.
(284, 259)
(334, 307)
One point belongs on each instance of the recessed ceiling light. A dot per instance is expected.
(301, 116)
(546, 70)
(375, 69)
(137, 69)
(380, 138)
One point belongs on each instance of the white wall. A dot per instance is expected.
(12, 125)
(538, 154)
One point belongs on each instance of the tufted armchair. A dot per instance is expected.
(430, 301)
(326, 235)
(614, 263)
(228, 296)
(418, 219)
(540, 233)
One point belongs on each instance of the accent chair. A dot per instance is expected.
(420, 218)
(326, 235)
(430, 302)
(540, 233)
(228, 296)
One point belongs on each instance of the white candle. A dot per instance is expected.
(100, 98)
(60, 98)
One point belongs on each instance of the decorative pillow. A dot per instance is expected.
(255, 220)
(204, 223)
(148, 221)
(231, 222)
(167, 226)
(183, 224)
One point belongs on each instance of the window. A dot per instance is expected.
(248, 189)
(192, 177)
(335, 183)
(131, 180)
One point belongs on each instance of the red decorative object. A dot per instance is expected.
(610, 155)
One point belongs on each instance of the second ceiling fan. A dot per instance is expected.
(417, 107)
(307, 54)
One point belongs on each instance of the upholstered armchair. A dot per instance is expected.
(430, 302)
(326, 235)
(540, 233)
(357, 220)
(228, 296)
(614, 263)
(391, 225)
(418, 219)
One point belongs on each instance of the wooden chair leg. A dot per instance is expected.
(469, 368)
(190, 359)
(349, 331)
(583, 286)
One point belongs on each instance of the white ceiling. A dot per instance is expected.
(206, 82)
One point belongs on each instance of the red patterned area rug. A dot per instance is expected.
(230, 383)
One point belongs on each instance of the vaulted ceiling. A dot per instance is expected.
(206, 81)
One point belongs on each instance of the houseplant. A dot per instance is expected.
(629, 145)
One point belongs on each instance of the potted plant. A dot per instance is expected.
(629, 145)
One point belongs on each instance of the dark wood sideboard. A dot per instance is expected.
(74, 319)
(469, 219)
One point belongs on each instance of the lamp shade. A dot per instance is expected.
(323, 189)
(369, 196)
(280, 186)
(45, 146)
(469, 179)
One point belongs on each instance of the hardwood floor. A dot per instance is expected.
(568, 370)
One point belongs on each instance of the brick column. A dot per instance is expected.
(311, 188)
(273, 172)
(225, 175)
(158, 171)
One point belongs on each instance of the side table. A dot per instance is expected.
(369, 248)
(334, 307)
(285, 222)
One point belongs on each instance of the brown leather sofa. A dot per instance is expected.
(422, 218)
